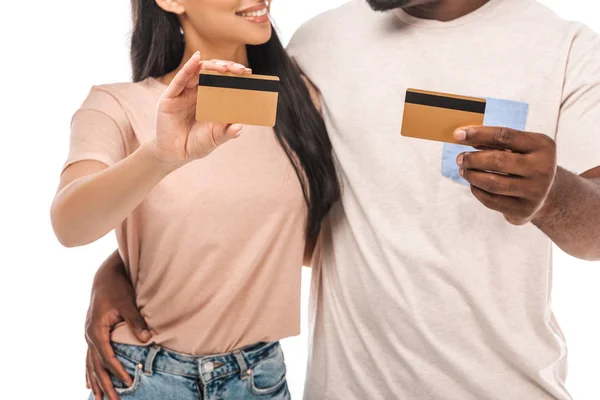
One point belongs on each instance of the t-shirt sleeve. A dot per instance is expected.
(296, 43)
(97, 129)
(306, 48)
(578, 134)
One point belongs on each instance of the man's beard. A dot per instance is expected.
(384, 5)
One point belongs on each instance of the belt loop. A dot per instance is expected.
(148, 365)
(242, 363)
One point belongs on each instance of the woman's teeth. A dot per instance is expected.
(254, 13)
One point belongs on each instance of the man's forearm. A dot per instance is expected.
(112, 266)
(571, 215)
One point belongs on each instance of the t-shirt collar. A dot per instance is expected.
(478, 14)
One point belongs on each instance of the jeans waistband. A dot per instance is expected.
(205, 368)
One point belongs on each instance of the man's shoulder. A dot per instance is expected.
(544, 19)
(558, 31)
(325, 26)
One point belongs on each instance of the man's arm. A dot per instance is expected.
(571, 214)
(112, 302)
(516, 175)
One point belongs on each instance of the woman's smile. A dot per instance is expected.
(257, 13)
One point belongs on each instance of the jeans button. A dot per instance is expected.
(209, 367)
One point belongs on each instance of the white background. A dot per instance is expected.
(52, 52)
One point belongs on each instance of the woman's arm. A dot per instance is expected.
(93, 199)
(314, 94)
(308, 252)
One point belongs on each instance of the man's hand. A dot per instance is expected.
(112, 302)
(513, 172)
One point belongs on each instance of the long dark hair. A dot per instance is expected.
(157, 48)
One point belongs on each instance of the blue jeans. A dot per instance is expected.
(256, 372)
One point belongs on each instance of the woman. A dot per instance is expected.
(212, 223)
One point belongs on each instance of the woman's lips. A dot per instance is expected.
(258, 13)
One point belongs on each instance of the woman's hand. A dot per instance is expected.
(179, 137)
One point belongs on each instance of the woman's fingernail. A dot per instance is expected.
(461, 171)
(239, 132)
(460, 134)
(459, 160)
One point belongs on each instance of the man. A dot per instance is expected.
(433, 279)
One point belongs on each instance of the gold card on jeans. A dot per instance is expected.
(435, 116)
(237, 99)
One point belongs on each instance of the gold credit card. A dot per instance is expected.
(237, 99)
(435, 116)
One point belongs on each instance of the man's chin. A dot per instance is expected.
(384, 5)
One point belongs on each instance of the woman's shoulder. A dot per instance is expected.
(121, 102)
(127, 91)
(120, 99)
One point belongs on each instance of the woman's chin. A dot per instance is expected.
(257, 38)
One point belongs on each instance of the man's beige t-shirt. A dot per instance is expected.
(422, 293)
(215, 251)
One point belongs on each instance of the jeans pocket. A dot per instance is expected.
(268, 375)
(132, 369)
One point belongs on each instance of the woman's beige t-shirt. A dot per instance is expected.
(215, 251)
